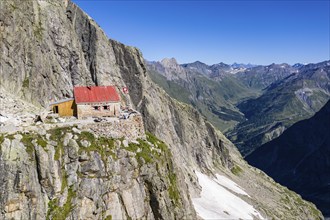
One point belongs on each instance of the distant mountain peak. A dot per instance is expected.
(297, 65)
(243, 65)
(169, 62)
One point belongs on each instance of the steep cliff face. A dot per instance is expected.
(48, 47)
(70, 173)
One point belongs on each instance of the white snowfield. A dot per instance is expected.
(217, 202)
(229, 184)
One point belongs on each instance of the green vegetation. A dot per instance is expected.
(29, 138)
(38, 29)
(165, 157)
(220, 110)
(142, 150)
(57, 212)
(104, 146)
(160, 155)
(42, 143)
(64, 180)
(173, 89)
(149, 151)
(26, 82)
(236, 170)
(87, 136)
(109, 217)
(57, 135)
(146, 154)
(13, 7)
(292, 199)
(10, 136)
(173, 189)
(2, 138)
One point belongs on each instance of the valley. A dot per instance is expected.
(251, 106)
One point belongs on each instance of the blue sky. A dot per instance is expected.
(258, 32)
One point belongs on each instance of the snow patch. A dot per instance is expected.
(229, 184)
(216, 202)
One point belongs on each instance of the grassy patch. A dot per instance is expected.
(13, 7)
(160, 156)
(2, 138)
(145, 153)
(109, 217)
(142, 150)
(64, 180)
(165, 158)
(56, 212)
(57, 134)
(172, 88)
(173, 189)
(26, 82)
(27, 141)
(104, 146)
(87, 136)
(10, 137)
(41, 142)
(236, 170)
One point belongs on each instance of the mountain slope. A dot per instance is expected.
(260, 77)
(283, 103)
(300, 158)
(66, 174)
(208, 88)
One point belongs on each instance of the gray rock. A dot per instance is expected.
(85, 143)
(132, 199)
(114, 206)
(83, 157)
(67, 138)
(93, 166)
(48, 136)
(125, 143)
(73, 149)
(18, 137)
(42, 131)
(75, 130)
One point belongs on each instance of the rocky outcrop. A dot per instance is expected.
(63, 177)
(76, 176)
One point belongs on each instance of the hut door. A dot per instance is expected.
(55, 109)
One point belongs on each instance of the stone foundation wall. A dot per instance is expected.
(131, 128)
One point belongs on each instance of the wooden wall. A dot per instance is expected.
(66, 108)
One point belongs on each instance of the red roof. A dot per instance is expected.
(95, 94)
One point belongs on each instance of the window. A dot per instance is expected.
(106, 107)
(97, 108)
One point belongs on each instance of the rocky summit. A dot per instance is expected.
(55, 168)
